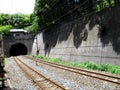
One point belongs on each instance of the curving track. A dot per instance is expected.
(105, 77)
(38, 79)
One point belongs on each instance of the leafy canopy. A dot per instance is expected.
(4, 30)
(18, 21)
(51, 12)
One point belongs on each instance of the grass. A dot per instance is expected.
(5, 60)
(87, 65)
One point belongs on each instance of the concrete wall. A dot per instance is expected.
(93, 38)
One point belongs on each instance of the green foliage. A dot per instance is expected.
(9, 21)
(74, 64)
(52, 12)
(90, 65)
(15, 20)
(34, 27)
(38, 17)
(102, 4)
(5, 60)
(5, 29)
(56, 60)
(87, 65)
(110, 68)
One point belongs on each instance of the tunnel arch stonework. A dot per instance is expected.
(13, 41)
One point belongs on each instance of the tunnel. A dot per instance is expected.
(18, 49)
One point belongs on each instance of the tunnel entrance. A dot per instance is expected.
(18, 49)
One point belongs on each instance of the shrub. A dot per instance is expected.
(110, 68)
(5, 29)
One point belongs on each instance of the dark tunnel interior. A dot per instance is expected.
(18, 49)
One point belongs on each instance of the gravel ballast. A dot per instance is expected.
(76, 81)
(16, 79)
(70, 80)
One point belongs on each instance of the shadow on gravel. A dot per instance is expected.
(5, 88)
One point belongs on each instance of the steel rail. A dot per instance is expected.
(93, 74)
(42, 80)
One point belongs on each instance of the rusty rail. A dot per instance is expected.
(37, 78)
(101, 76)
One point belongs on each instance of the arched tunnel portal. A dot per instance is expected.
(18, 49)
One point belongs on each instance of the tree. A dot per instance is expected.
(52, 12)
(15, 20)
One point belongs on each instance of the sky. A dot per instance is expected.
(17, 6)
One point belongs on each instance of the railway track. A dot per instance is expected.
(105, 77)
(38, 79)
